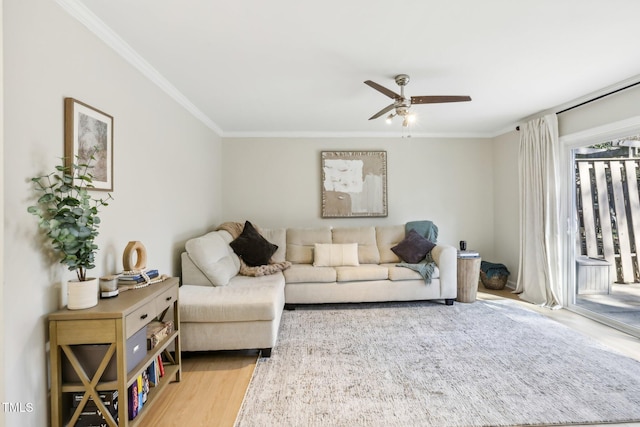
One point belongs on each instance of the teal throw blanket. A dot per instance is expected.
(492, 269)
(424, 267)
(425, 228)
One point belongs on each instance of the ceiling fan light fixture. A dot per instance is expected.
(402, 103)
(389, 118)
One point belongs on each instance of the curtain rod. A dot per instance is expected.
(594, 99)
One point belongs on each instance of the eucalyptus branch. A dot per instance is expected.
(69, 215)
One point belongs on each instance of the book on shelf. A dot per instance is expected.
(153, 373)
(160, 366)
(109, 399)
(145, 386)
(468, 254)
(91, 416)
(133, 400)
(140, 393)
(94, 418)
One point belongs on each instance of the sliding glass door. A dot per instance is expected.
(603, 215)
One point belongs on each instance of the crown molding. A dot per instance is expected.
(80, 12)
(320, 135)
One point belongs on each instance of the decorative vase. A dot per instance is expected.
(82, 294)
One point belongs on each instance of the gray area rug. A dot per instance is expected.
(489, 363)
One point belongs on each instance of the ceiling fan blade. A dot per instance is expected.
(438, 99)
(391, 94)
(385, 110)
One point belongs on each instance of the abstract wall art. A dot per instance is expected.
(354, 184)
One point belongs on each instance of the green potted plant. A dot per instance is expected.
(68, 215)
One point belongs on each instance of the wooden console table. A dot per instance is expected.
(112, 322)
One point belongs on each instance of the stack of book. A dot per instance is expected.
(91, 416)
(137, 278)
(138, 393)
(155, 371)
(468, 254)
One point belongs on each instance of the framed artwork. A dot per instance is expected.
(354, 184)
(89, 132)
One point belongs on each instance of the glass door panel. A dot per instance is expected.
(607, 237)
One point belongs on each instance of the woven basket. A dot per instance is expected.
(496, 282)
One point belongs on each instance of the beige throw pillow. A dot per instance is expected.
(334, 254)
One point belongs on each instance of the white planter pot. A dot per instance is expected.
(82, 294)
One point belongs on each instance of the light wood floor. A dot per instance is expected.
(213, 384)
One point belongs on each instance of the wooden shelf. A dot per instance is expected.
(112, 322)
(170, 372)
(151, 355)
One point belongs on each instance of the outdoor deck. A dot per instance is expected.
(621, 304)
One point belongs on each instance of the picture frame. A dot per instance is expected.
(354, 184)
(89, 131)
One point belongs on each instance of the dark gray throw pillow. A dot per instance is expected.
(413, 248)
(254, 249)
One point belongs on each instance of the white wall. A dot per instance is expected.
(506, 219)
(166, 177)
(610, 109)
(2, 399)
(276, 183)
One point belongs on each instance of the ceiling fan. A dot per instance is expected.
(401, 104)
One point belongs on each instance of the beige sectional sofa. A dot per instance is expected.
(221, 309)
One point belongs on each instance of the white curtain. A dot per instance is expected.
(539, 270)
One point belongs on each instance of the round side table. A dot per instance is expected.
(468, 277)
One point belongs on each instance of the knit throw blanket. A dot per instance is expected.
(492, 269)
(235, 229)
(427, 266)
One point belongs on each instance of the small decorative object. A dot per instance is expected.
(109, 286)
(69, 216)
(88, 135)
(463, 245)
(136, 275)
(354, 184)
(141, 256)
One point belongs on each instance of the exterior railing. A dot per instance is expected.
(608, 207)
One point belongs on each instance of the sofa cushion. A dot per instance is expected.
(252, 247)
(397, 274)
(388, 236)
(277, 236)
(306, 273)
(301, 242)
(246, 299)
(211, 254)
(335, 254)
(362, 272)
(365, 237)
(413, 248)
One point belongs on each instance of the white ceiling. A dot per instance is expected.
(296, 67)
